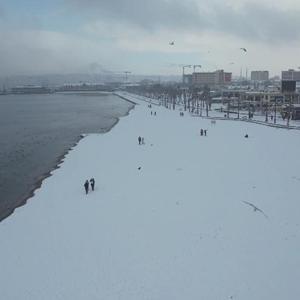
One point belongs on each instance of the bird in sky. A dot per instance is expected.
(172, 43)
(244, 49)
(255, 208)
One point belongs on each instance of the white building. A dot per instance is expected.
(260, 75)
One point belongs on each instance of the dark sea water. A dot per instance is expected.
(36, 130)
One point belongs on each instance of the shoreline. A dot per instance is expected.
(38, 182)
(60, 159)
(124, 98)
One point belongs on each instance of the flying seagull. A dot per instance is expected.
(172, 43)
(244, 49)
(255, 208)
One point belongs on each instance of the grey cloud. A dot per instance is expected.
(250, 21)
(147, 14)
(258, 22)
(95, 67)
(2, 12)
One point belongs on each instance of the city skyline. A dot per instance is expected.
(73, 36)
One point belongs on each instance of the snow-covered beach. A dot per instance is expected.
(170, 219)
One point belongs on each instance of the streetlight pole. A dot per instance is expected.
(290, 110)
(267, 108)
(249, 113)
(239, 101)
(275, 110)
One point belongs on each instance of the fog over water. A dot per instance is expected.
(36, 130)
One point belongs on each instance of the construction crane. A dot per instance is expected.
(126, 75)
(196, 66)
(185, 66)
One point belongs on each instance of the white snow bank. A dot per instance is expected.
(175, 229)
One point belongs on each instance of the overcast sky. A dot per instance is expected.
(70, 36)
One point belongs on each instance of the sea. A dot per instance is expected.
(37, 130)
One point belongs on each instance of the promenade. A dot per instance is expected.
(170, 219)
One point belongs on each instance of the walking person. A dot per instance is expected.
(143, 141)
(92, 182)
(140, 140)
(201, 132)
(205, 132)
(86, 187)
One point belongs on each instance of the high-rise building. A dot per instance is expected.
(227, 77)
(218, 77)
(290, 75)
(260, 75)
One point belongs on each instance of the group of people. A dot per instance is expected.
(141, 140)
(87, 185)
(153, 113)
(149, 105)
(203, 132)
(181, 114)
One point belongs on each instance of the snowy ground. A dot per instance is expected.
(215, 112)
(175, 229)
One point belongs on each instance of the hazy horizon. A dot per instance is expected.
(73, 36)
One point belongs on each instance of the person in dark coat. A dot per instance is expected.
(246, 136)
(201, 132)
(86, 186)
(205, 131)
(140, 140)
(92, 182)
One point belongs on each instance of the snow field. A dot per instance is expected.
(175, 229)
